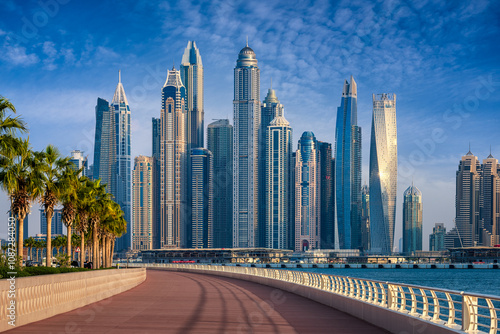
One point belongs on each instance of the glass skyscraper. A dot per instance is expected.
(246, 108)
(277, 182)
(142, 203)
(220, 143)
(201, 165)
(156, 155)
(383, 173)
(365, 217)
(327, 198)
(173, 160)
(348, 169)
(412, 220)
(307, 194)
(104, 146)
(121, 110)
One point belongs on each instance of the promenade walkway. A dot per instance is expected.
(179, 302)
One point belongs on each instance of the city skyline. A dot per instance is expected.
(437, 132)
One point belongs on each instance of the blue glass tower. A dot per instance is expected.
(348, 170)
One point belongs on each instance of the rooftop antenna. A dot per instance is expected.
(272, 85)
(247, 41)
(119, 76)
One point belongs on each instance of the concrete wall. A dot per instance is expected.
(41, 297)
(392, 321)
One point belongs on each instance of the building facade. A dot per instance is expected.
(307, 194)
(412, 220)
(104, 146)
(79, 162)
(348, 169)
(327, 195)
(173, 168)
(142, 203)
(383, 173)
(365, 217)
(246, 107)
(156, 155)
(201, 165)
(490, 202)
(56, 225)
(436, 238)
(220, 143)
(277, 182)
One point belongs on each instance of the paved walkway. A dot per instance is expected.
(176, 302)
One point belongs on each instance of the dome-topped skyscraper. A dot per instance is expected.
(246, 58)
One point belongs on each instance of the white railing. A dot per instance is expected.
(468, 312)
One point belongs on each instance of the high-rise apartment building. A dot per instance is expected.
(112, 159)
(307, 194)
(120, 107)
(348, 169)
(365, 217)
(468, 183)
(277, 182)
(79, 162)
(173, 168)
(246, 107)
(56, 225)
(412, 220)
(327, 195)
(490, 203)
(436, 238)
(142, 203)
(270, 109)
(156, 155)
(383, 173)
(201, 165)
(220, 143)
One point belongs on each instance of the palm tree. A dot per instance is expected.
(75, 241)
(69, 200)
(113, 225)
(8, 128)
(84, 200)
(100, 204)
(50, 167)
(30, 243)
(18, 178)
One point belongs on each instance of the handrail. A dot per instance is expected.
(468, 312)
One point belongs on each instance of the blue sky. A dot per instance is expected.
(440, 59)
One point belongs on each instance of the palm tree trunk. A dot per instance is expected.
(95, 246)
(112, 250)
(82, 249)
(20, 240)
(49, 238)
(101, 251)
(69, 243)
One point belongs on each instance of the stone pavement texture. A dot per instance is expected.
(177, 302)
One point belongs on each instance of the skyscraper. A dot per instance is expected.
(192, 78)
(79, 161)
(490, 204)
(348, 169)
(201, 198)
(220, 143)
(277, 194)
(121, 109)
(142, 203)
(270, 109)
(246, 107)
(173, 156)
(104, 146)
(327, 198)
(412, 220)
(307, 194)
(156, 155)
(383, 173)
(365, 217)
(468, 183)
(436, 239)
(56, 226)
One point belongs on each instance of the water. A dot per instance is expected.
(484, 281)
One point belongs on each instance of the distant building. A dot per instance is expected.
(201, 198)
(142, 203)
(490, 202)
(383, 173)
(348, 169)
(412, 220)
(156, 155)
(327, 195)
(56, 223)
(452, 239)
(220, 143)
(365, 217)
(79, 161)
(436, 238)
(307, 194)
(25, 226)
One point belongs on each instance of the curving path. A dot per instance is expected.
(176, 302)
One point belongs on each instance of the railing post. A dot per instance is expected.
(469, 312)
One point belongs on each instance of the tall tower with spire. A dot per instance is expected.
(121, 110)
(348, 169)
(173, 167)
(246, 108)
(192, 78)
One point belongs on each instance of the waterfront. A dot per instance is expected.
(484, 281)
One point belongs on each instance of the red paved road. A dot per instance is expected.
(175, 302)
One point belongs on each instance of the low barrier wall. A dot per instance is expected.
(41, 297)
(398, 308)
